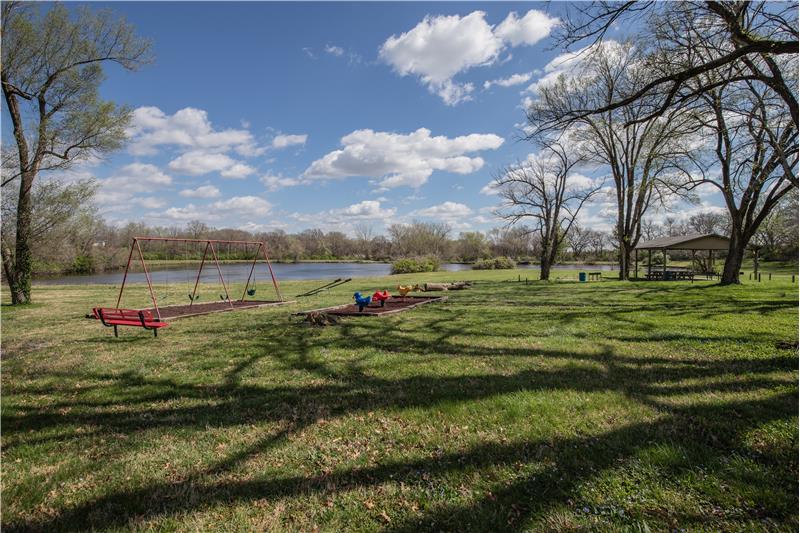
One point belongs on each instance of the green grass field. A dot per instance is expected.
(543, 406)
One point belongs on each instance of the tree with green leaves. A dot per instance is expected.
(52, 69)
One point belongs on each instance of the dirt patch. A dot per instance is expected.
(393, 305)
(179, 311)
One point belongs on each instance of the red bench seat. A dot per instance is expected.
(112, 317)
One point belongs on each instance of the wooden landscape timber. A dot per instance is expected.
(393, 305)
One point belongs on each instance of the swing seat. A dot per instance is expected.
(111, 317)
(251, 292)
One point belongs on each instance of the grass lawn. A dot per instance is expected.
(513, 406)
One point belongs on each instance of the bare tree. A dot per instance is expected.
(747, 36)
(51, 71)
(598, 242)
(420, 239)
(752, 160)
(471, 246)
(640, 154)
(545, 190)
(515, 242)
(364, 235)
(711, 222)
(651, 230)
(579, 239)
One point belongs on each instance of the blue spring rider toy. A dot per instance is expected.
(361, 301)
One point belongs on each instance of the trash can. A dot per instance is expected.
(582, 277)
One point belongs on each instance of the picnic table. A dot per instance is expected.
(671, 275)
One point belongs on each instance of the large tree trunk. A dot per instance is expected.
(8, 271)
(544, 263)
(733, 263)
(624, 260)
(20, 282)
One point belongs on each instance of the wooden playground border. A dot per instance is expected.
(375, 310)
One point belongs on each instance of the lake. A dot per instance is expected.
(237, 272)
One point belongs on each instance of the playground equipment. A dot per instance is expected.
(335, 283)
(361, 301)
(155, 318)
(127, 317)
(381, 297)
(405, 289)
(363, 309)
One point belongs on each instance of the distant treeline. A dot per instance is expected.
(72, 238)
(91, 245)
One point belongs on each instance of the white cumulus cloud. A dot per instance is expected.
(284, 141)
(368, 209)
(446, 211)
(440, 47)
(531, 28)
(490, 189)
(402, 160)
(274, 183)
(130, 180)
(243, 205)
(574, 64)
(205, 191)
(235, 208)
(514, 79)
(197, 162)
(237, 171)
(189, 127)
(188, 212)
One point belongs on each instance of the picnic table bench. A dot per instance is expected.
(670, 275)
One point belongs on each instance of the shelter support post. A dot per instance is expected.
(649, 263)
(664, 267)
(636, 263)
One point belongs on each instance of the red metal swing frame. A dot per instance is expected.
(261, 249)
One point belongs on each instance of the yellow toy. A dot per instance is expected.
(405, 289)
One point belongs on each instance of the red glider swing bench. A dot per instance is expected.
(111, 317)
(154, 319)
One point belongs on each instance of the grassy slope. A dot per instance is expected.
(512, 406)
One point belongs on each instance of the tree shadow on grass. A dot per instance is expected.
(706, 436)
(707, 433)
(710, 431)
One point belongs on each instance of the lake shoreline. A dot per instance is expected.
(165, 264)
(186, 272)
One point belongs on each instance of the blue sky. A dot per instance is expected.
(289, 116)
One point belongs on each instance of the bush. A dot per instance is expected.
(498, 263)
(83, 264)
(411, 266)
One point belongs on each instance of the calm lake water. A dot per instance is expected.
(238, 272)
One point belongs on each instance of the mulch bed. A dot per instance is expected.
(392, 305)
(172, 312)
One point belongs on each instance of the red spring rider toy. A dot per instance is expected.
(381, 297)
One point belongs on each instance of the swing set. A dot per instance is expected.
(156, 317)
